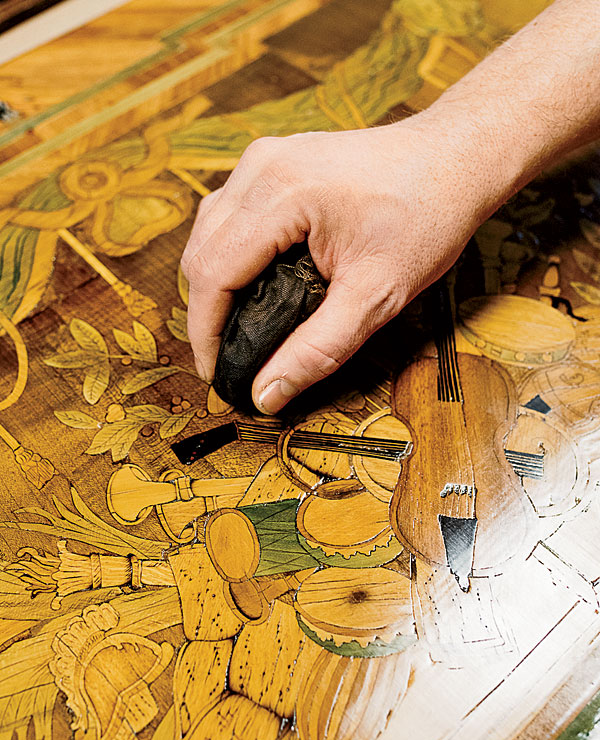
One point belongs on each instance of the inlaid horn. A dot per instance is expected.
(131, 493)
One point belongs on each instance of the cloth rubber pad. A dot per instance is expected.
(264, 314)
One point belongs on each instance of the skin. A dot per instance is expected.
(388, 210)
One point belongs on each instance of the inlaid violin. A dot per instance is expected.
(458, 501)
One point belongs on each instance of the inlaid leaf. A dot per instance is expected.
(215, 405)
(146, 378)
(76, 419)
(589, 293)
(88, 338)
(74, 358)
(587, 264)
(117, 437)
(126, 342)
(120, 448)
(137, 303)
(96, 382)
(147, 413)
(141, 347)
(178, 324)
(175, 423)
(145, 340)
(591, 231)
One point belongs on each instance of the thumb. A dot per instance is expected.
(341, 324)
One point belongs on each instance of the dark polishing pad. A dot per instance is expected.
(264, 313)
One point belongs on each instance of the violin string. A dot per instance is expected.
(454, 365)
(443, 366)
(441, 332)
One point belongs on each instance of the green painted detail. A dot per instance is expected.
(586, 724)
(126, 153)
(280, 548)
(378, 556)
(17, 251)
(181, 72)
(376, 77)
(449, 17)
(47, 196)
(376, 649)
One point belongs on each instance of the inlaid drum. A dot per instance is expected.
(257, 540)
(379, 476)
(352, 532)
(516, 330)
(568, 393)
(555, 473)
(587, 336)
(363, 612)
(309, 465)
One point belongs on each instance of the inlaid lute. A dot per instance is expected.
(199, 445)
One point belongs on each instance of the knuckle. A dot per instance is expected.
(201, 272)
(188, 256)
(206, 202)
(261, 148)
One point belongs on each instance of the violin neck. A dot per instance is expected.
(382, 449)
(449, 388)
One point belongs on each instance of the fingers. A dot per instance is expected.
(208, 310)
(318, 347)
(230, 258)
(198, 229)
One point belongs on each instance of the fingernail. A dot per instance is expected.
(276, 395)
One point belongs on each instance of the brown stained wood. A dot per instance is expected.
(274, 589)
(269, 75)
(117, 57)
(316, 53)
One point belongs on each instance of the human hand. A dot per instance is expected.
(386, 211)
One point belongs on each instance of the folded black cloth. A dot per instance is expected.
(264, 313)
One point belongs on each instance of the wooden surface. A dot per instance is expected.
(283, 586)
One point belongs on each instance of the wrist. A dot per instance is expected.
(486, 152)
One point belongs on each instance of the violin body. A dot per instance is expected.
(458, 469)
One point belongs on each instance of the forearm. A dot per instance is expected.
(531, 101)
